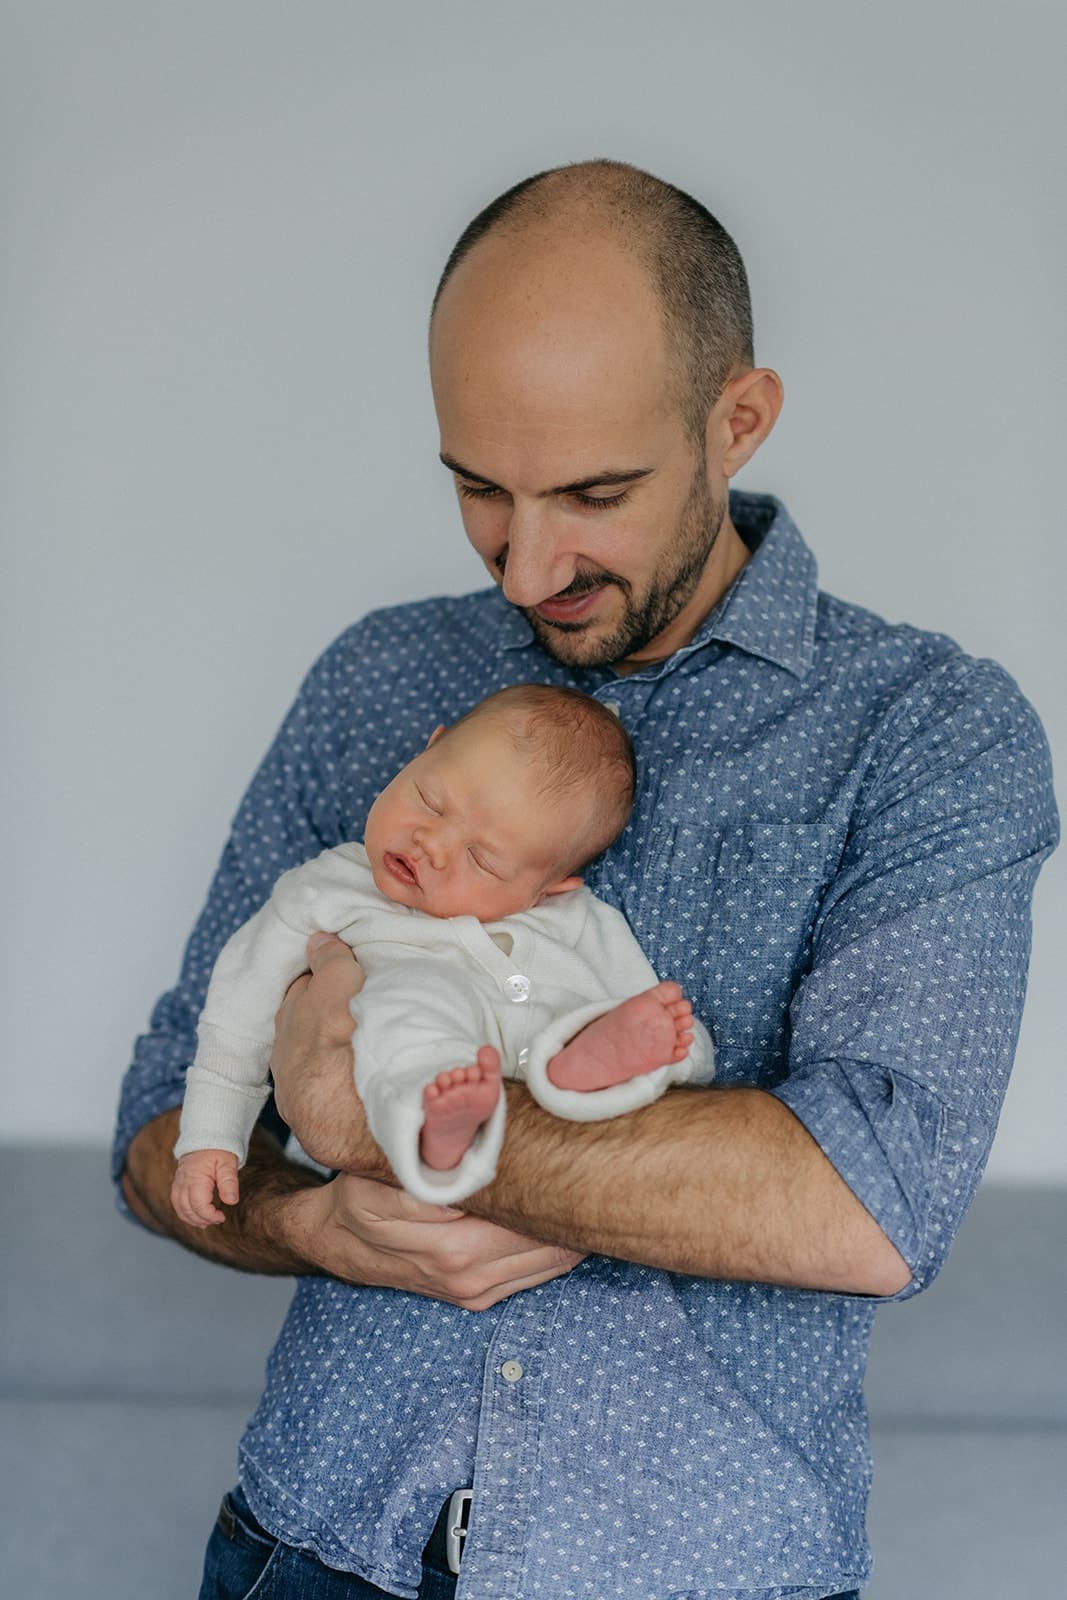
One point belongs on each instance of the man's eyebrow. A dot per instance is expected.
(606, 479)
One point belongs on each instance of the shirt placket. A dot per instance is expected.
(509, 1446)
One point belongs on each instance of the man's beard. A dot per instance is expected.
(670, 590)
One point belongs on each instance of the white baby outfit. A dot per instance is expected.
(437, 988)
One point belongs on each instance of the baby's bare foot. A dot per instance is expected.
(640, 1035)
(454, 1106)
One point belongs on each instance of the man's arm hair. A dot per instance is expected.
(719, 1183)
(257, 1235)
(716, 1182)
(291, 1222)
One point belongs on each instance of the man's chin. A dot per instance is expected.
(573, 644)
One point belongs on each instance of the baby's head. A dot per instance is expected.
(505, 806)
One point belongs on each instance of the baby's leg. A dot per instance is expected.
(454, 1107)
(640, 1035)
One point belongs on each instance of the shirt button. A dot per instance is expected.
(517, 988)
(613, 706)
(512, 1371)
(524, 1056)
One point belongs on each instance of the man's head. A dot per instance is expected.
(505, 806)
(591, 354)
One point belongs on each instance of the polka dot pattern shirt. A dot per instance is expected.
(836, 835)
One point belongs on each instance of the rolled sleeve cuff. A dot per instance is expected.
(132, 1118)
(886, 1136)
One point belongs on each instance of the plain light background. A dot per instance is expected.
(220, 229)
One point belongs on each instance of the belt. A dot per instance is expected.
(445, 1544)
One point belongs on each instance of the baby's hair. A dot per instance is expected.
(579, 744)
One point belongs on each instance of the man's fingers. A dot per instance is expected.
(327, 954)
(295, 989)
(337, 978)
(481, 1285)
(386, 1203)
(468, 1262)
(501, 1291)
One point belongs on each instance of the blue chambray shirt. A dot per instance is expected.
(837, 831)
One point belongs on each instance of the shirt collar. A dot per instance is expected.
(770, 608)
(768, 611)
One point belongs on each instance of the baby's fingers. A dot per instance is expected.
(228, 1185)
(192, 1196)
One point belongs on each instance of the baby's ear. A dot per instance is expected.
(562, 887)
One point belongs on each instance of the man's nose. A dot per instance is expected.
(535, 564)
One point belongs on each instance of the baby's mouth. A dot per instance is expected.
(401, 868)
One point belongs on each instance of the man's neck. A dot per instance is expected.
(729, 555)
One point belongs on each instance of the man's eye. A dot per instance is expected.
(594, 502)
(469, 492)
(601, 502)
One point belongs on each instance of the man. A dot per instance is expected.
(835, 839)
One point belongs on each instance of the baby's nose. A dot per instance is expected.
(432, 846)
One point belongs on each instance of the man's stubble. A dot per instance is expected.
(670, 589)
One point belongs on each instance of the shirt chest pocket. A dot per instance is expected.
(728, 913)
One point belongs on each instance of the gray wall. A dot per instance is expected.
(221, 227)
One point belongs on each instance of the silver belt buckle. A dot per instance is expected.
(458, 1517)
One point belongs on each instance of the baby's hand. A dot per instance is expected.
(193, 1190)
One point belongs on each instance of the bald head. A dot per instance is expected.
(555, 223)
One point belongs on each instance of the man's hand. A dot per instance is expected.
(363, 1231)
(290, 1222)
(355, 1228)
(311, 1064)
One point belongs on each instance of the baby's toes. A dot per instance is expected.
(488, 1059)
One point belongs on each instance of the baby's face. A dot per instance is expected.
(462, 831)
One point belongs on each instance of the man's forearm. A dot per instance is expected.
(361, 1231)
(722, 1183)
(257, 1235)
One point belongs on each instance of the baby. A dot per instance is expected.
(482, 950)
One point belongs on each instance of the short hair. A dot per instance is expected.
(694, 264)
(577, 743)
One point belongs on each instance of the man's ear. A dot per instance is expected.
(435, 735)
(564, 886)
(742, 417)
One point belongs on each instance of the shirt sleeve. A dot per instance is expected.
(290, 812)
(905, 1026)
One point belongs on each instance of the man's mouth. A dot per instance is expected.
(401, 868)
(572, 608)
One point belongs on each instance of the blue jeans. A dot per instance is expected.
(245, 1562)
